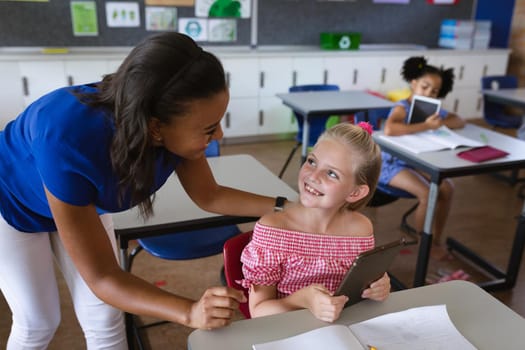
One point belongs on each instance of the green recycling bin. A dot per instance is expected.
(340, 41)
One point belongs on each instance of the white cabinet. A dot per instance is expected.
(307, 70)
(41, 77)
(276, 74)
(11, 92)
(84, 71)
(256, 76)
(469, 67)
(241, 117)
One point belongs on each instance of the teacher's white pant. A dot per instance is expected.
(28, 282)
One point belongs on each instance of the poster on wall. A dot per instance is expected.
(224, 30)
(223, 8)
(161, 18)
(196, 28)
(391, 1)
(84, 18)
(170, 2)
(122, 14)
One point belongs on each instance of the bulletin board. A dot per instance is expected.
(280, 22)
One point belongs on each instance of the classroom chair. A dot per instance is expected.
(180, 246)
(317, 123)
(233, 267)
(496, 114)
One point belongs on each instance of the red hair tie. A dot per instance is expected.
(366, 126)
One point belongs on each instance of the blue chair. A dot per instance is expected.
(494, 113)
(182, 246)
(317, 124)
(385, 193)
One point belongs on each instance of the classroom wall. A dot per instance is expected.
(280, 22)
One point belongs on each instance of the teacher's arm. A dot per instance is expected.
(197, 180)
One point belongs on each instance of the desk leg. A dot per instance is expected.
(426, 238)
(306, 136)
(503, 280)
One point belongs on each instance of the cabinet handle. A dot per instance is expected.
(25, 86)
(383, 75)
(294, 78)
(461, 70)
(478, 106)
(325, 77)
(355, 77)
(227, 120)
(261, 79)
(456, 105)
(261, 118)
(228, 79)
(70, 80)
(485, 70)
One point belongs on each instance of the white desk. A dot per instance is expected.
(482, 319)
(176, 212)
(315, 103)
(443, 164)
(511, 97)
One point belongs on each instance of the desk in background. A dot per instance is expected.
(176, 212)
(482, 319)
(510, 97)
(315, 103)
(443, 164)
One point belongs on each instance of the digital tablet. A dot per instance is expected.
(421, 108)
(367, 268)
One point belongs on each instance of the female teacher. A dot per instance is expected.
(80, 153)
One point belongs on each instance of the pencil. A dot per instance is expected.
(370, 347)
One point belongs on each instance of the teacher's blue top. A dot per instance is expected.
(63, 144)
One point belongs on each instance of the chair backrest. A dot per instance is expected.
(494, 113)
(375, 117)
(232, 265)
(317, 124)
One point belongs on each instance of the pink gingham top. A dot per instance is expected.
(292, 260)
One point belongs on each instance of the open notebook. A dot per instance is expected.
(427, 327)
(432, 140)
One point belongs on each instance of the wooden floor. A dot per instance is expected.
(483, 216)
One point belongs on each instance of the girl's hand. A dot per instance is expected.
(322, 304)
(434, 121)
(379, 290)
(215, 308)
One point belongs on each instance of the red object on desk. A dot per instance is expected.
(481, 154)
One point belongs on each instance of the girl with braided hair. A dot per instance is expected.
(429, 81)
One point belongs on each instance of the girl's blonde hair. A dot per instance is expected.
(367, 157)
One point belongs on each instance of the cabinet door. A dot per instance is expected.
(275, 75)
(308, 71)
(11, 92)
(365, 72)
(41, 77)
(275, 117)
(83, 72)
(241, 118)
(242, 76)
(465, 102)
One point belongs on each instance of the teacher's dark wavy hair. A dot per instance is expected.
(159, 78)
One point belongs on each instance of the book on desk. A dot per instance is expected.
(427, 327)
(432, 140)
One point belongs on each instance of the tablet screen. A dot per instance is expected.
(421, 108)
(367, 268)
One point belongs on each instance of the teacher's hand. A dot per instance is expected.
(215, 308)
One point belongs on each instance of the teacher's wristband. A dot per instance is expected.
(279, 203)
